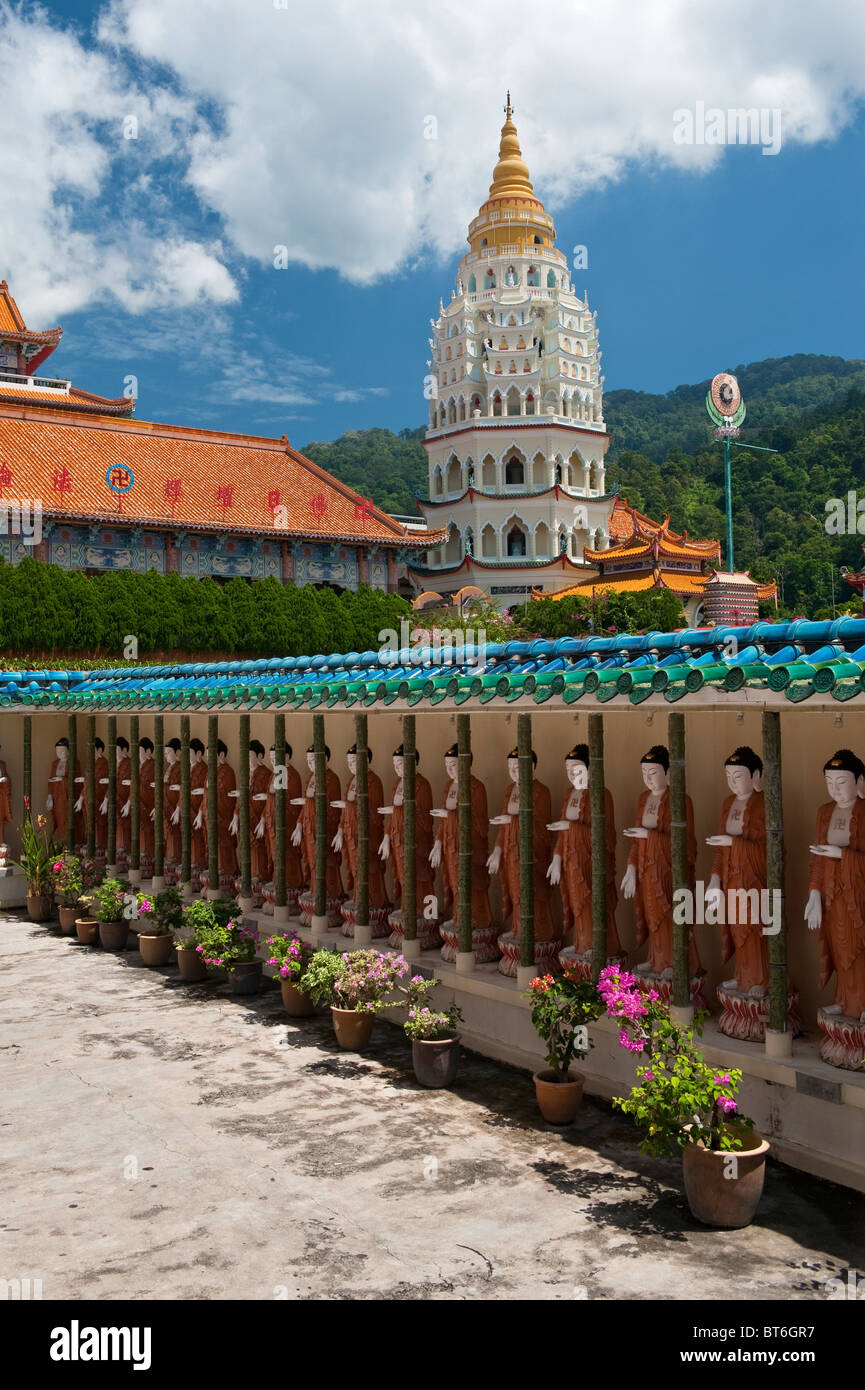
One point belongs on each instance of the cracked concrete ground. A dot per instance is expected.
(167, 1141)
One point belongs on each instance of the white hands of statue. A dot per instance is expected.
(826, 851)
(49, 803)
(636, 832)
(814, 910)
(554, 872)
(234, 823)
(336, 842)
(435, 854)
(713, 891)
(384, 847)
(153, 814)
(124, 810)
(629, 882)
(495, 858)
(175, 815)
(296, 834)
(80, 803)
(259, 829)
(103, 809)
(199, 820)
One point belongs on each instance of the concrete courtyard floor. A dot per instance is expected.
(167, 1141)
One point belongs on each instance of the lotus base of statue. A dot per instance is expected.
(145, 864)
(427, 932)
(378, 919)
(746, 1016)
(484, 942)
(306, 907)
(579, 963)
(195, 875)
(546, 955)
(663, 984)
(171, 869)
(843, 1043)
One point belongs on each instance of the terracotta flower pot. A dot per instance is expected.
(558, 1101)
(245, 977)
(435, 1060)
(39, 906)
(353, 1030)
(87, 930)
(295, 1002)
(155, 948)
(68, 918)
(191, 966)
(724, 1189)
(113, 936)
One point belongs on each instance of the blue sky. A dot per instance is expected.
(258, 128)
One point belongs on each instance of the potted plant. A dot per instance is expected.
(68, 879)
(156, 935)
(114, 907)
(356, 985)
(434, 1038)
(685, 1106)
(38, 853)
(230, 947)
(291, 957)
(561, 1009)
(189, 962)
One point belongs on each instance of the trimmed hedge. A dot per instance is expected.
(44, 608)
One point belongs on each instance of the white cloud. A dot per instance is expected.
(304, 127)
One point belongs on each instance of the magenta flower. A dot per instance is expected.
(728, 1106)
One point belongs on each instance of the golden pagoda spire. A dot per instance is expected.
(511, 174)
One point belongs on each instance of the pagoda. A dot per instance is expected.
(516, 438)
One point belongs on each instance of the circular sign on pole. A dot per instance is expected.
(725, 394)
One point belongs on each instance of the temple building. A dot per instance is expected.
(516, 437)
(645, 554)
(117, 493)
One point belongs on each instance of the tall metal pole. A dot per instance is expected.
(464, 833)
(526, 839)
(597, 804)
(321, 845)
(409, 809)
(362, 794)
(728, 487)
(679, 858)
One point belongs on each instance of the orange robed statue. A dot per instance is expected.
(345, 841)
(197, 805)
(57, 800)
(5, 799)
(147, 801)
(740, 864)
(226, 813)
(123, 839)
(303, 834)
(649, 876)
(100, 777)
(261, 864)
(171, 802)
(836, 904)
(294, 880)
(571, 865)
(393, 844)
(445, 847)
(505, 858)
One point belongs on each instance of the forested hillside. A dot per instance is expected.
(663, 459)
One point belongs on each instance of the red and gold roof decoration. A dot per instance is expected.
(185, 477)
(633, 534)
(73, 399)
(13, 329)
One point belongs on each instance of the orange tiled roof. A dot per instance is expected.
(73, 399)
(629, 525)
(224, 482)
(12, 322)
(684, 584)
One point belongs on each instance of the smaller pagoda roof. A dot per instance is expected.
(13, 329)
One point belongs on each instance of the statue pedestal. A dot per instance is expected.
(195, 877)
(122, 861)
(377, 919)
(484, 943)
(647, 979)
(578, 965)
(746, 1017)
(306, 907)
(428, 934)
(146, 865)
(843, 1043)
(546, 955)
(268, 897)
(172, 872)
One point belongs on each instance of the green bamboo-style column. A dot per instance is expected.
(464, 833)
(72, 790)
(527, 839)
(158, 796)
(772, 792)
(279, 799)
(111, 737)
(212, 802)
(597, 805)
(134, 798)
(362, 795)
(409, 812)
(321, 845)
(90, 784)
(679, 858)
(28, 762)
(243, 841)
(185, 808)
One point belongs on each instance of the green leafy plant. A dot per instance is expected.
(291, 957)
(38, 854)
(358, 980)
(167, 912)
(111, 901)
(225, 946)
(423, 1023)
(562, 1007)
(74, 875)
(679, 1099)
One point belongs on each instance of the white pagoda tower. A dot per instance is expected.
(516, 438)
